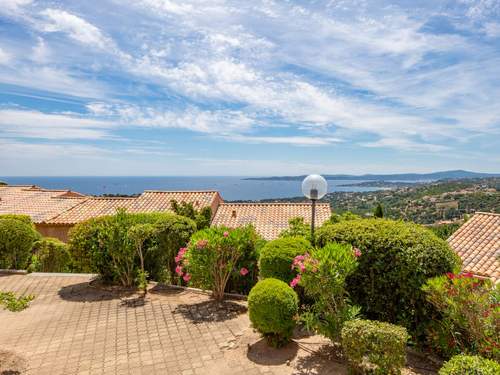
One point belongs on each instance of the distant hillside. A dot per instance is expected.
(445, 175)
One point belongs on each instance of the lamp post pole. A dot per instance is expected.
(314, 187)
(313, 216)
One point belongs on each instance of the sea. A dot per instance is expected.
(231, 188)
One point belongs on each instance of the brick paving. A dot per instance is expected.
(73, 328)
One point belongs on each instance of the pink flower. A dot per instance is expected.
(178, 259)
(302, 268)
(201, 244)
(295, 281)
(226, 234)
(186, 277)
(178, 270)
(243, 271)
(357, 252)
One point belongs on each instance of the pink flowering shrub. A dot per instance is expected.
(322, 273)
(216, 255)
(470, 315)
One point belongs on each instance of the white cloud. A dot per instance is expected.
(76, 28)
(41, 51)
(4, 57)
(290, 140)
(35, 124)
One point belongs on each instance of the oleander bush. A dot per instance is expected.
(103, 245)
(50, 255)
(398, 258)
(373, 347)
(276, 257)
(16, 240)
(172, 233)
(469, 310)
(217, 254)
(322, 274)
(470, 365)
(272, 308)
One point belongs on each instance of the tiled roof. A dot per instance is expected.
(478, 244)
(269, 219)
(40, 204)
(149, 201)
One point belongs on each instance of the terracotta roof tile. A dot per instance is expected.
(40, 204)
(477, 242)
(269, 219)
(149, 201)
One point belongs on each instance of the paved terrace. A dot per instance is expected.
(73, 328)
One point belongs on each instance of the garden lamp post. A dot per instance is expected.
(314, 187)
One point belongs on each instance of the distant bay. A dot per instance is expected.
(231, 188)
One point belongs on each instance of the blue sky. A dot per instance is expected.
(164, 87)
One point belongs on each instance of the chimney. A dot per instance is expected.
(233, 214)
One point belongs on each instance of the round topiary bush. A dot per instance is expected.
(50, 255)
(16, 239)
(470, 364)
(272, 306)
(276, 257)
(395, 261)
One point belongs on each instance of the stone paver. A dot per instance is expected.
(73, 328)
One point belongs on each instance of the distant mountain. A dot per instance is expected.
(446, 175)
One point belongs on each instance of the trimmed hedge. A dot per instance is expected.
(50, 255)
(373, 347)
(470, 365)
(272, 307)
(16, 239)
(397, 259)
(24, 218)
(102, 245)
(276, 257)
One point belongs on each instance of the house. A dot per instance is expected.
(38, 203)
(149, 201)
(477, 242)
(269, 219)
(55, 212)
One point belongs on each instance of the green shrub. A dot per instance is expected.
(470, 315)
(24, 218)
(470, 365)
(397, 259)
(13, 303)
(50, 255)
(276, 257)
(172, 233)
(201, 217)
(322, 274)
(272, 306)
(102, 245)
(297, 228)
(16, 239)
(373, 347)
(214, 255)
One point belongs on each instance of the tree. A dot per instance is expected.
(379, 211)
(139, 233)
(201, 217)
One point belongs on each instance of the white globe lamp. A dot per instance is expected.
(314, 187)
